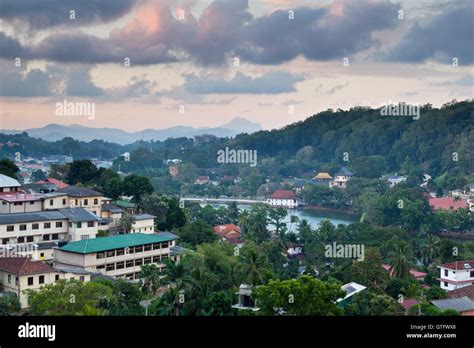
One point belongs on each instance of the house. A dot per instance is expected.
(461, 292)
(407, 303)
(420, 276)
(471, 204)
(8, 184)
(173, 169)
(19, 202)
(463, 305)
(58, 183)
(21, 273)
(144, 223)
(201, 180)
(68, 224)
(129, 207)
(469, 189)
(229, 233)
(283, 198)
(457, 274)
(55, 200)
(395, 180)
(110, 216)
(350, 289)
(322, 178)
(447, 203)
(85, 198)
(341, 178)
(119, 256)
(294, 250)
(246, 302)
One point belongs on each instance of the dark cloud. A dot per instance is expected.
(446, 36)
(15, 82)
(79, 83)
(10, 47)
(226, 29)
(270, 83)
(40, 14)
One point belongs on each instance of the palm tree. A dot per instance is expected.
(244, 221)
(253, 266)
(400, 259)
(127, 223)
(431, 249)
(149, 279)
(171, 302)
(176, 274)
(89, 310)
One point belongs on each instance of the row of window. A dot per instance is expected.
(446, 273)
(86, 201)
(132, 263)
(131, 250)
(46, 225)
(30, 239)
(31, 280)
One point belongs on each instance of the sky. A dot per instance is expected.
(161, 63)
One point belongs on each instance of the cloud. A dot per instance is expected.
(446, 36)
(270, 83)
(17, 82)
(50, 13)
(467, 80)
(10, 47)
(225, 29)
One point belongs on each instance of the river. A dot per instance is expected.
(314, 217)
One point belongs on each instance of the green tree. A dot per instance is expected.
(127, 222)
(400, 260)
(367, 303)
(253, 265)
(196, 233)
(302, 296)
(38, 175)
(370, 272)
(81, 171)
(9, 304)
(8, 168)
(149, 279)
(136, 186)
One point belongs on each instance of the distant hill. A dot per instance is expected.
(54, 132)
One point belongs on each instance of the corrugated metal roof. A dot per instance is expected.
(6, 181)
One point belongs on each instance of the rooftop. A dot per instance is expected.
(71, 214)
(78, 215)
(283, 194)
(323, 175)
(75, 191)
(23, 266)
(119, 241)
(461, 304)
(139, 217)
(459, 265)
(58, 183)
(111, 208)
(447, 203)
(6, 181)
(13, 197)
(461, 292)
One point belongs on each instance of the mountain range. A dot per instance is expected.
(54, 132)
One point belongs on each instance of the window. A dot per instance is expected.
(47, 225)
(64, 201)
(35, 226)
(164, 257)
(17, 281)
(70, 224)
(3, 202)
(111, 253)
(56, 277)
(59, 224)
(84, 237)
(30, 280)
(446, 284)
(55, 236)
(9, 278)
(96, 201)
(5, 240)
(86, 202)
(120, 265)
(51, 202)
(110, 267)
(41, 279)
(129, 263)
(139, 249)
(81, 278)
(21, 239)
(446, 272)
(471, 274)
(120, 252)
(138, 262)
(19, 203)
(100, 267)
(90, 224)
(79, 225)
(46, 237)
(99, 255)
(10, 228)
(76, 202)
(147, 260)
(164, 245)
(147, 247)
(23, 227)
(41, 255)
(156, 259)
(29, 239)
(31, 203)
(156, 246)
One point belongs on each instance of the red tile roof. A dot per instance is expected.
(459, 265)
(229, 232)
(18, 197)
(283, 194)
(58, 183)
(461, 292)
(447, 203)
(413, 272)
(407, 303)
(23, 266)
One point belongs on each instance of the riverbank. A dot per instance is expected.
(326, 209)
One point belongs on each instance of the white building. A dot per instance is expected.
(456, 275)
(119, 256)
(395, 180)
(283, 198)
(8, 184)
(341, 178)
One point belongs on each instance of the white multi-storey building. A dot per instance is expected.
(456, 275)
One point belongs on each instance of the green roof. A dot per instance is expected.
(125, 204)
(119, 241)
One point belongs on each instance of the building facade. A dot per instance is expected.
(456, 275)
